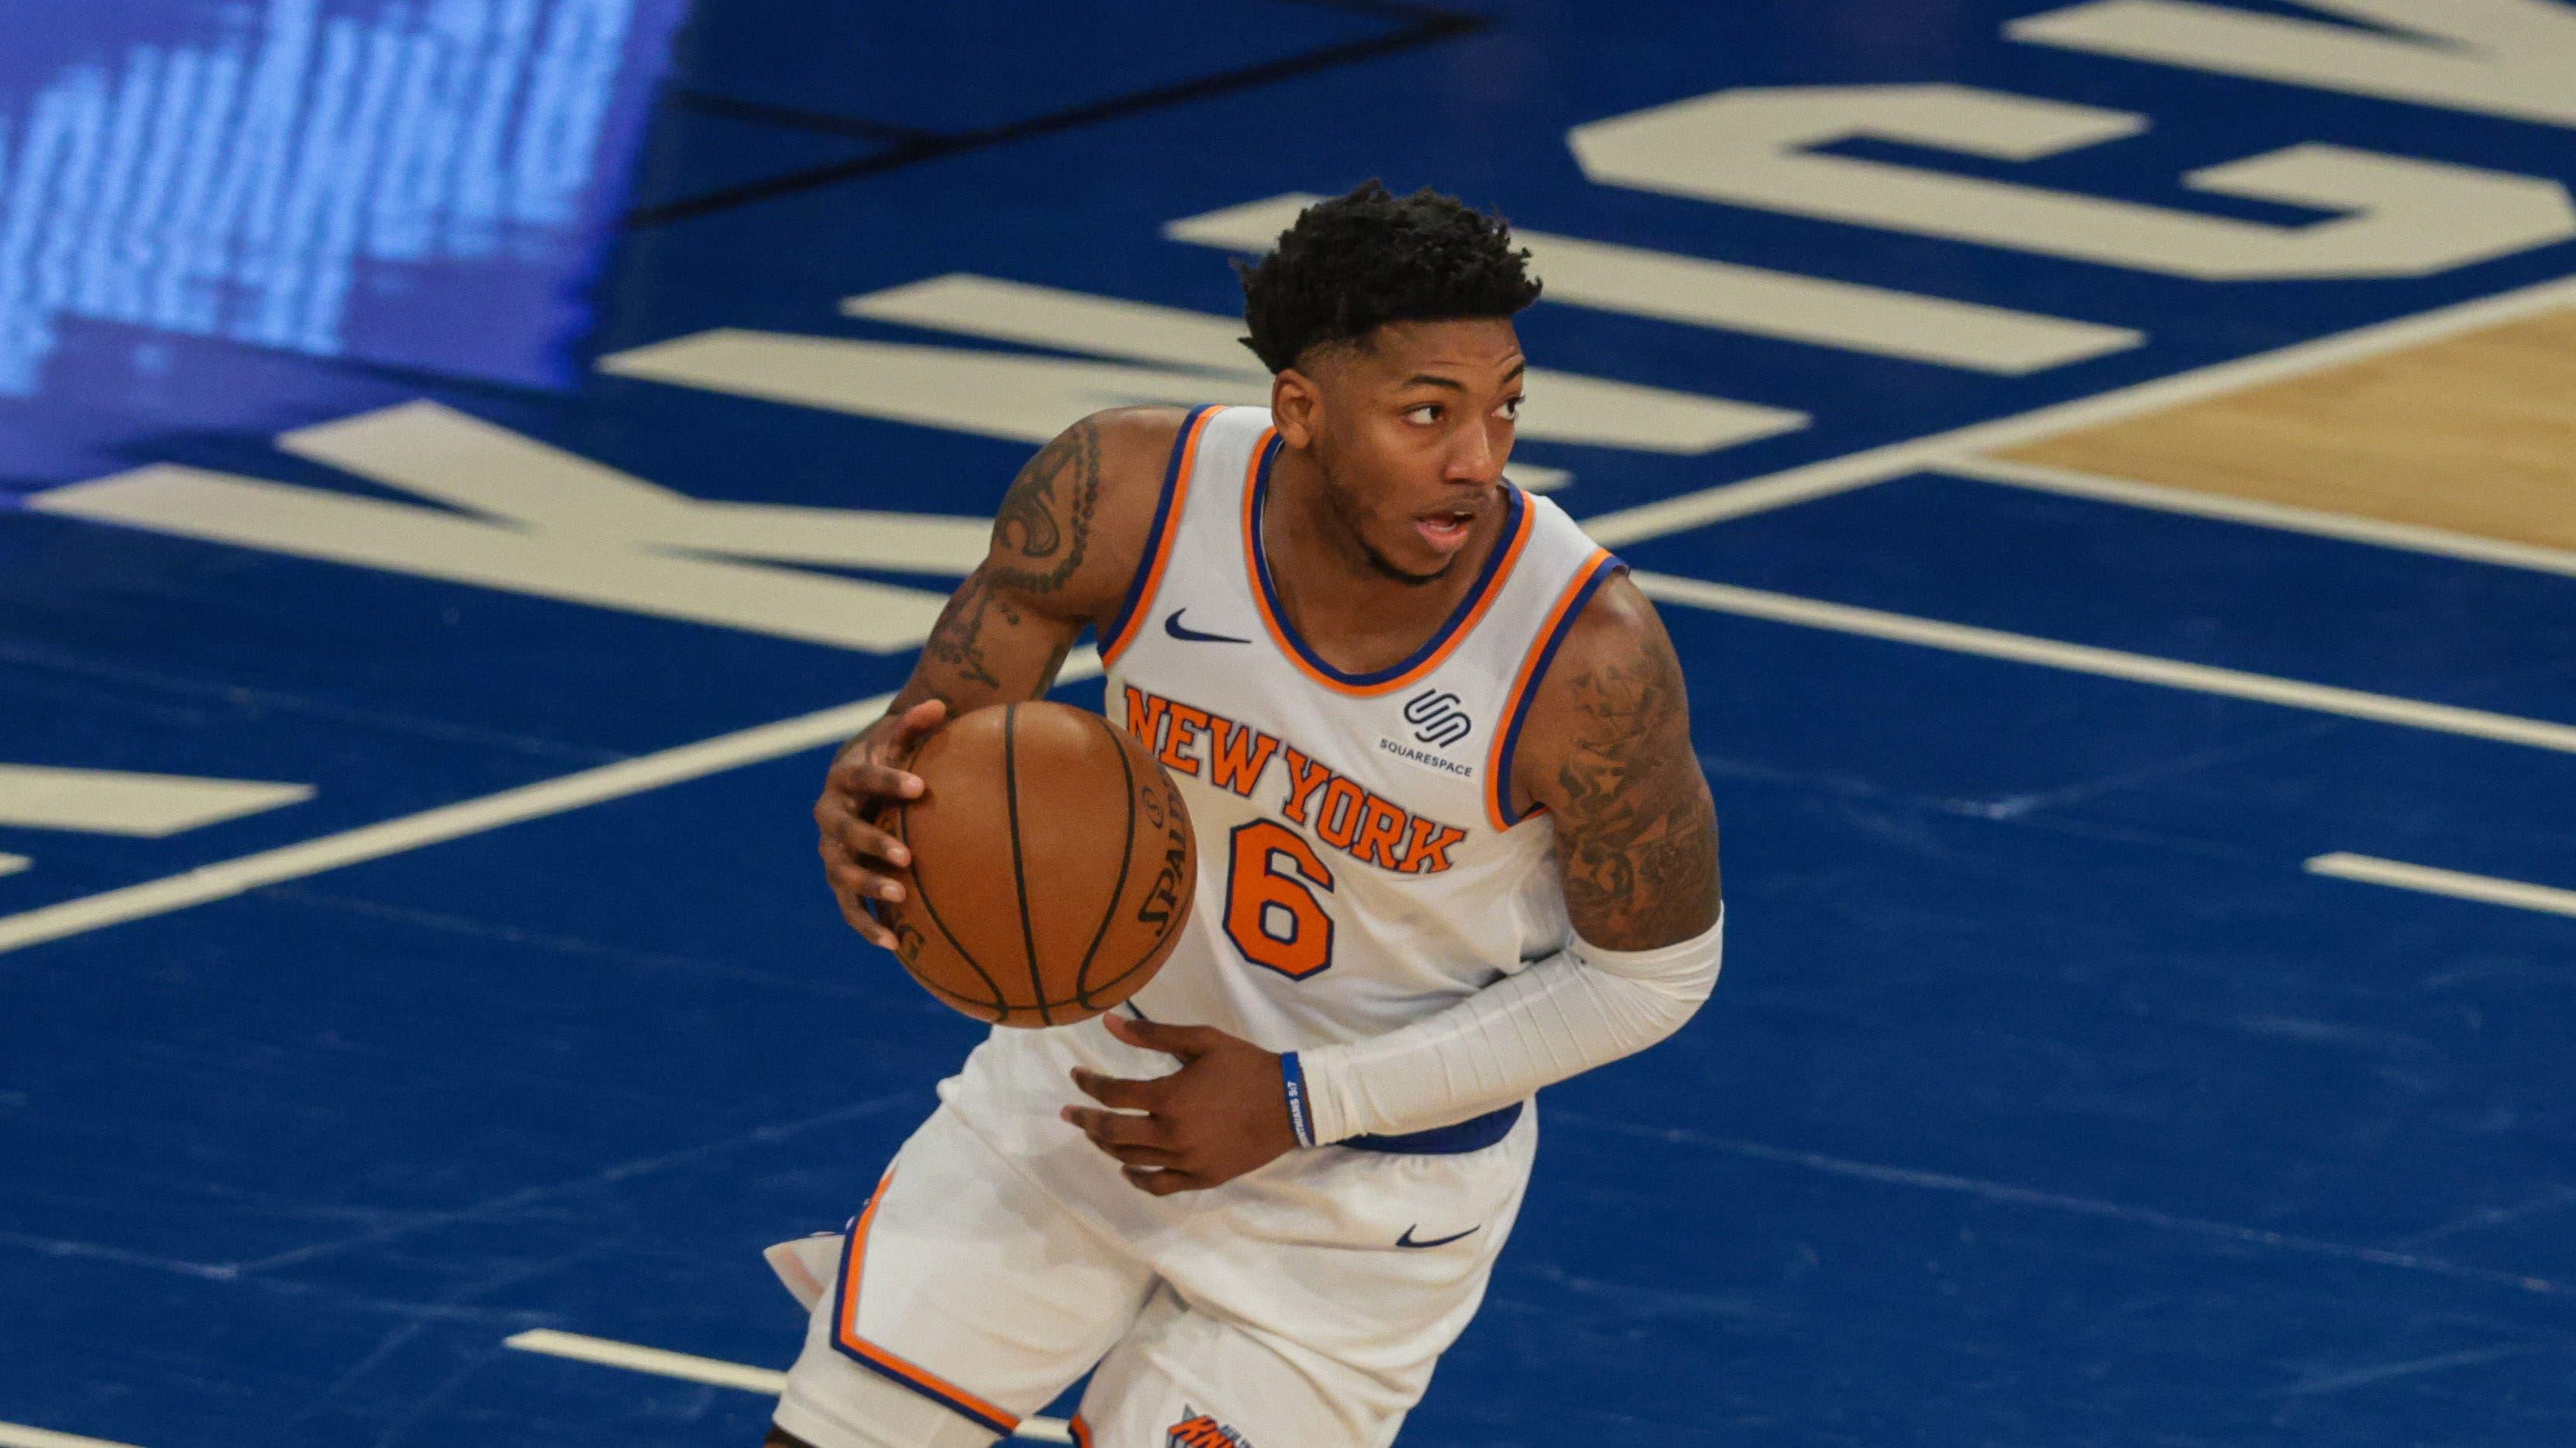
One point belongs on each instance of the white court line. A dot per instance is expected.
(1878, 465)
(453, 821)
(2408, 536)
(429, 827)
(2458, 884)
(12, 864)
(18, 1435)
(662, 1362)
(2109, 663)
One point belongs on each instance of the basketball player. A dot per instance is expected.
(1454, 846)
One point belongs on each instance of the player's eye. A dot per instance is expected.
(1424, 415)
(1510, 410)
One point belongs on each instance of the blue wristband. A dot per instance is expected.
(1294, 1078)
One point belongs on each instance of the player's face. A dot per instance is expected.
(1411, 435)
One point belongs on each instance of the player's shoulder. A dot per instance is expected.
(1119, 454)
(1618, 628)
(1137, 441)
(1133, 450)
(1077, 520)
(1615, 679)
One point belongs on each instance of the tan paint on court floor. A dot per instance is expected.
(2474, 434)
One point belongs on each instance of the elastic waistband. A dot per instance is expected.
(1473, 1134)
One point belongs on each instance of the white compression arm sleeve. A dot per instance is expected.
(1579, 1008)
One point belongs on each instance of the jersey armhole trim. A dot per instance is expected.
(1587, 580)
(845, 1335)
(1158, 541)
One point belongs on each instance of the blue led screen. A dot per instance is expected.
(426, 184)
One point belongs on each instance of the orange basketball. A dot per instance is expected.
(1052, 865)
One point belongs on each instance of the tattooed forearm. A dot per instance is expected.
(1046, 516)
(957, 640)
(1008, 627)
(1635, 826)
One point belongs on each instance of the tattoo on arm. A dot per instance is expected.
(1046, 516)
(957, 640)
(1040, 535)
(1635, 826)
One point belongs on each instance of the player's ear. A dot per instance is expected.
(1295, 406)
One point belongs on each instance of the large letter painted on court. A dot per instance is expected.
(537, 520)
(1178, 356)
(2397, 216)
(2500, 57)
(1698, 292)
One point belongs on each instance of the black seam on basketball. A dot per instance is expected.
(962, 1004)
(972, 1008)
(903, 832)
(1120, 978)
(1019, 871)
(1179, 918)
(1117, 892)
(1000, 1002)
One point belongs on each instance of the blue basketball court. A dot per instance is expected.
(463, 464)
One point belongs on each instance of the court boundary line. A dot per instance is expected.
(2108, 663)
(1850, 472)
(1428, 25)
(690, 1367)
(563, 792)
(794, 118)
(558, 795)
(2345, 527)
(2434, 880)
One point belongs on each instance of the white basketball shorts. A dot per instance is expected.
(1302, 1305)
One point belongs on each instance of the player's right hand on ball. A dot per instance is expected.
(861, 860)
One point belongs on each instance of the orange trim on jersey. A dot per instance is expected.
(1160, 549)
(1498, 788)
(845, 1333)
(1493, 581)
(1081, 1432)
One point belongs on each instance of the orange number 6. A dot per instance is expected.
(1271, 914)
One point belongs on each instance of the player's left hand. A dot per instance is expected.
(1222, 1114)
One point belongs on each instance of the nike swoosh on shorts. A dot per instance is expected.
(1407, 1239)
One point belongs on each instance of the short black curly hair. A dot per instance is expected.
(1355, 262)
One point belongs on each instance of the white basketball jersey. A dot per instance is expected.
(1360, 862)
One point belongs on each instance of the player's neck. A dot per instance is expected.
(1335, 595)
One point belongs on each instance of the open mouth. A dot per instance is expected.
(1447, 531)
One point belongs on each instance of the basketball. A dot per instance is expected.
(1052, 865)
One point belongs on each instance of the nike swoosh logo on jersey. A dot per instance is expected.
(1172, 626)
(1407, 1239)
